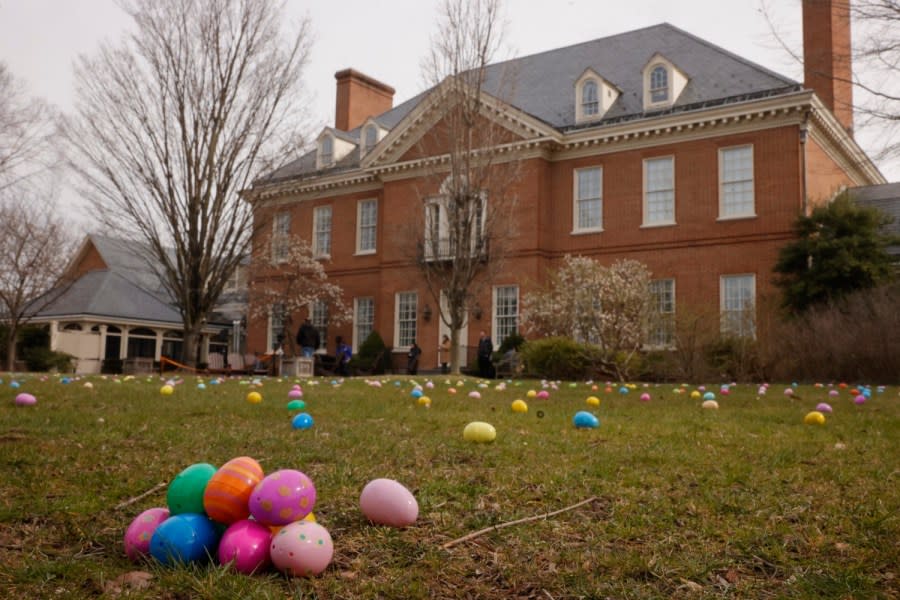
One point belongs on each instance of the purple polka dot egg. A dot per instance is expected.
(282, 497)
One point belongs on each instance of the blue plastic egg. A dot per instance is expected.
(585, 420)
(184, 538)
(302, 421)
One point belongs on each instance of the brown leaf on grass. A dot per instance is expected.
(133, 580)
(731, 576)
(841, 547)
(691, 586)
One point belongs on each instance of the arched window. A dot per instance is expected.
(371, 138)
(590, 104)
(326, 152)
(659, 84)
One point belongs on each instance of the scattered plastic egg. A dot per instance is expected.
(245, 546)
(283, 497)
(593, 401)
(585, 420)
(140, 532)
(388, 502)
(824, 408)
(478, 431)
(254, 398)
(24, 399)
(167, 390)
(710, 404)
(519, 406)
(814, 418)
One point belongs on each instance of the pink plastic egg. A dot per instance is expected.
(860, 399)
(543, 394)
(301, 549)
(139, 533)
(283, 497)
(245, 544)
(26, 400)
(823, 407)
(295, 394)
(387, 502)
(645, 397)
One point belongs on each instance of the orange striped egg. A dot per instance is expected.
(227, 493)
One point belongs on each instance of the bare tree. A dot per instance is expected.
(34, 247)
(287, 279)
(468, 222)
(876, 68)
(175, 121)
(26, 125)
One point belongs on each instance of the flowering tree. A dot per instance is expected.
(607, 307)
(288, 279)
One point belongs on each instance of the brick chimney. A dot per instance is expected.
(358, 98)
(827, 60)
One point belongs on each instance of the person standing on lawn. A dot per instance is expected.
(485, 349)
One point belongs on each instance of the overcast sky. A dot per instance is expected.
(385, 39)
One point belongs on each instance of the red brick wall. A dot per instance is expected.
(90, 261)
(696, 251)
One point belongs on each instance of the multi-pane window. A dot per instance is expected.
(364, 319)
(736, 182)
(588, 199)
(319, 319)
(659, 191)
(738, 293)
(367, 220)
(590, 104)
(326, 152)
(281, 230)
(235, 280)
(322, 231)
(276, 325)
(446, 231)
(659, 84)
(370, 138)
(506, 312)
(406, 319)
(662, 325)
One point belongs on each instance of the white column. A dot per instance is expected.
(123, 343)
(157, 353)
(54, 335)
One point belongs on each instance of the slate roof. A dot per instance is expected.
(886, 198)
(544, 83)
(110, 294)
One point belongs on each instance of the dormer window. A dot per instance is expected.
(659, 84)
(370, 138)
(326, 151)
(593, 96)
(663, 83)
(589, 104)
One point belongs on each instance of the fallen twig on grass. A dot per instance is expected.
(475, 534)
(152, 490)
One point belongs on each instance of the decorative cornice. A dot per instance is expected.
(829, 134)
(794, 108)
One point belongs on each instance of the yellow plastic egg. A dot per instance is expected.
(593, 401)
(814, 418)
(531, 394)
(478, 431)
(424, 401)
(254, 397)
(167, 390)
(695, 395)
(519, 406)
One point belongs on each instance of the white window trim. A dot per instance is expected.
(747, 215)
(494, 305)
(320, 158)
(668, 98)
(270, 341)
(356, 341)
(670, 346)
(397, 347)
(646, 204)
(279, 238)
(722, 279)
(359, 205)
(315, 237)
(576, 230)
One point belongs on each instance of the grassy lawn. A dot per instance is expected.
(741, 502)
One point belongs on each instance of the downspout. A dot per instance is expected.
(804, 134)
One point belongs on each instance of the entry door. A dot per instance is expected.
(463, 333)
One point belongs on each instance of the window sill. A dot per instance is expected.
(586, 231)
(737, 217)
(364, 252)
(322, 257)
(654, 225)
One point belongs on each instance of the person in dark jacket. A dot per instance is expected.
(485, 349)
(412, 359)
(344, 354)
(308, 338)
